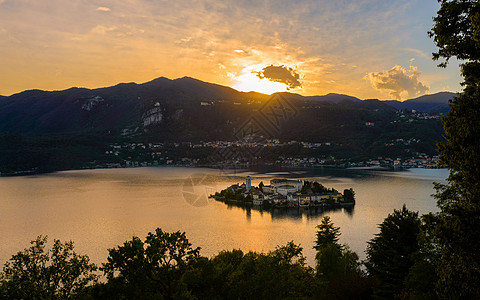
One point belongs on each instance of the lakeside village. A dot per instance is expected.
(229, 153)
(155, 154)
(286, 193)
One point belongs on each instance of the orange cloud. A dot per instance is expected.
(331, 46)
(398, 81)
(103, 8)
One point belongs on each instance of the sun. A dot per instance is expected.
(248, 81)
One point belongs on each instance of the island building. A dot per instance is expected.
(285, 192)
(286, 182)
(248, 183)
(283, 186)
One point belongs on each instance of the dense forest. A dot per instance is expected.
(26, 155)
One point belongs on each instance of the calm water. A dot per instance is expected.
(100, 209)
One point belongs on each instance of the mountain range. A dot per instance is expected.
(128, 106)
(427, 103)
(75, 128)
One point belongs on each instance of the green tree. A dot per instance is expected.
(261, 185)
(327, 234)
(149, 269)
(279, 274)
(202, 280)
(456, 30)
(306, 187)
(214, 278)
(37, 273)
(422, 278)
(338, 268)
(349, 195)
(389, 253)
(319, 188)
(456, 33)
(329, 251)
(329, 262)
(350, 281)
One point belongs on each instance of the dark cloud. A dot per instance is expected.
(281, 74)
(398, 80)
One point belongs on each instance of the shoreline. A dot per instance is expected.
(251, 168)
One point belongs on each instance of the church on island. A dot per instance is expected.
(286, 193)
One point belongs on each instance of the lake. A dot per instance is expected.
(100, 209)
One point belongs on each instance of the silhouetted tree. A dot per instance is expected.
(327, 234)
(349, 195)
(37, 273)
(337, 267)
(389, 253)
(279, 274)
(422, 278)
(456, 33)
(149, 269)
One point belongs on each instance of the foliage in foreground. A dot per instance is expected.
(338, 269)
(389, 253)
(167, 266)
(39, 273)
(402, 263)
(455, 230)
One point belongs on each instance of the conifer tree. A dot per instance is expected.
(389, 253)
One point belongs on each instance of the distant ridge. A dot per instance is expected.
(75, 109)
(205, 90)
(114, 108)
(331, 97)
(427, 103)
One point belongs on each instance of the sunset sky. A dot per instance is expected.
(364, 48)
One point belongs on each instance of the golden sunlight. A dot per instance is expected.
(248, 81)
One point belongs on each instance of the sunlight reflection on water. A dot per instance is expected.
(100, 209)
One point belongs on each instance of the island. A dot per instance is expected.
(286, 193)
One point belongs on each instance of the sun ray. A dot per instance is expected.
(248, 81)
